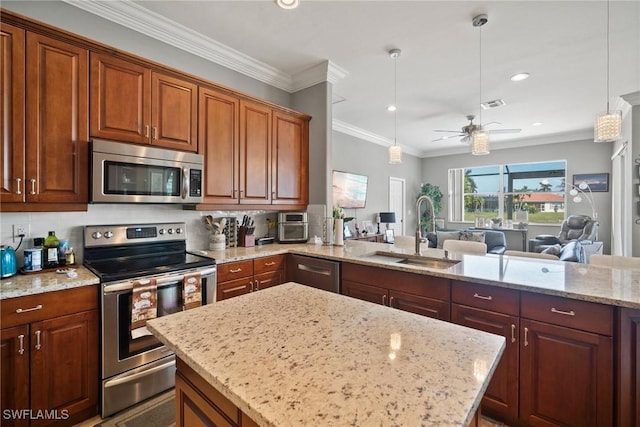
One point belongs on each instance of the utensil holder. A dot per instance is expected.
(244, 239)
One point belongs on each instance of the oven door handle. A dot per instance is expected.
(161, 281)
(140, 374)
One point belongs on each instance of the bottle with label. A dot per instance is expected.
(50, 250)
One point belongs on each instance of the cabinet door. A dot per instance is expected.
(57, 109)
(255, 153)
(174, 112)
(428, 307)
(12, 115)
(14, 368)
(565, 376)
(267, 280)
(234, 288)
(501, 397)
(219, 117)
(628, 375)
(194, 409)
(290, 160)
(365, 292)
(64, 364)
(120, 100)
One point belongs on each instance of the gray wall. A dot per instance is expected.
(581, 157)
(351, 154)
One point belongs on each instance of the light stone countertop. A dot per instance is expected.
(567, 279)
(293, 355)
(36, 283)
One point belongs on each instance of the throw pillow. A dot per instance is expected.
(446, 235)
(472, 236)
(552, 250)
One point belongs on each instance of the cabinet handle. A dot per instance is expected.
(257, 283)
(155, 133)
(19, 185)
(146, 131)
(489, 298)
(25, 310)
(384, 300)
(273, 195)
(236, 270)
(526, 337)
(33, 186)
(513, 333)
(566, 313)
(21, 340)
(269, 264)
(390, 301)
(235, 193)
(251, 285)
(38, 346)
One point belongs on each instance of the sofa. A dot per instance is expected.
(494, 239)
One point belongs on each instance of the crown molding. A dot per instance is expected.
(139, 19)
(346, 128)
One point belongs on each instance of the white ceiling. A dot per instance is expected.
(561, 44)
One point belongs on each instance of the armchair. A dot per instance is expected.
(575, 227)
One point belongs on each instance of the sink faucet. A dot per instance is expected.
(432, 223)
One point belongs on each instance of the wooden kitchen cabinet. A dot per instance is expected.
(416, 293)
(134, 103)
(290, 160)
(566, 362)
(494, 310)
(255, 154)
(46, 93)
(50, 355)
(628, 372)
(241, 277)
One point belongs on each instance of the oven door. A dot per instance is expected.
(124, 349)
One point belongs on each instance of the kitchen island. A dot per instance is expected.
(293, 355)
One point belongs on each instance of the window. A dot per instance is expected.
(519, 191)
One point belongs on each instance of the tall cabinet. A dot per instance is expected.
(44, 127)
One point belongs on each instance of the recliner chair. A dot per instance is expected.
(575, 227)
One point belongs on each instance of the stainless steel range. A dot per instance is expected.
(135, 365)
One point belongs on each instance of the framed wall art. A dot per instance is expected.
(597, 182)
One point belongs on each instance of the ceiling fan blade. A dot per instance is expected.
(466, 139)
(491, 123)
(442, 130)
(447, 137)
(504, 131)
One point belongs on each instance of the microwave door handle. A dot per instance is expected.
(185, 182)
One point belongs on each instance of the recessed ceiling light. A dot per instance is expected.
(391, 108)
(519, 77)
(288, 4)
(537, 124)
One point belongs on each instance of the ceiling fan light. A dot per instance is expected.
(395, 154)
(288, 4)
(479, 143)
(608, 127)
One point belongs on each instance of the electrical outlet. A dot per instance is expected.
(19, 229)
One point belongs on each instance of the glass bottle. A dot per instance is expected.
(51, 244)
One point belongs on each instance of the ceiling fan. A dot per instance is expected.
(467, 130)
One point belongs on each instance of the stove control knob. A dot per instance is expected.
(161, 231)
(96, 235)
(108, 234)
(170, 231)
(179, 230)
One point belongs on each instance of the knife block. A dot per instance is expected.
(244, 239)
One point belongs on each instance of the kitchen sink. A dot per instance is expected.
(416, 260)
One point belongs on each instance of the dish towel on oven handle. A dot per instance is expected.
(191, 291)
(144, 303)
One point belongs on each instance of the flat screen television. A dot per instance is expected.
(349, 189)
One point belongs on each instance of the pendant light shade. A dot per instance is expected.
(395, 151)
(479, 143)
(608, 126)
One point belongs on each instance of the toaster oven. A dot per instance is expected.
(293, 227)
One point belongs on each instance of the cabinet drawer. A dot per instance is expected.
(268, 263)
(583, 315)
(33, 308)
(491, 298)
(234, 288)
(235, 270)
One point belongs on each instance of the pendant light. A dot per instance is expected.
(608, 126)
(395, 151)
(480, 138)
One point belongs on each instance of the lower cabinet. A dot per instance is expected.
(241, 277)
(417, 293)
(628, 372)
(50, 362)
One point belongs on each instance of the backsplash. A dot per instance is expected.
(69, 225)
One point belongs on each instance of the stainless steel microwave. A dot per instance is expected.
(129, 173)
(293, 227)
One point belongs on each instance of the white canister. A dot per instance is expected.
(33, 259)
(217, 242)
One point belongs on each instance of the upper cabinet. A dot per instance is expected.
(131, 102)
(45, 123)
(255, 155)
